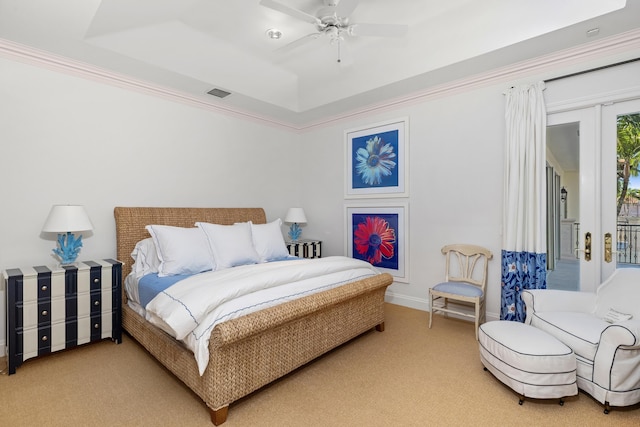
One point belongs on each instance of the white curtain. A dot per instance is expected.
(524, 217)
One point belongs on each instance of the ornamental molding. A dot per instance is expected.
(603, 49)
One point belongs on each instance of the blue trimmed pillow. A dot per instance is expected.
(615, 316)
(231, 245)
(181, 250)
(145, 258)
(268, 241)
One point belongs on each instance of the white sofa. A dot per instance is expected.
(607, 351)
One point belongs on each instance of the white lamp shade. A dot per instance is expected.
(65, 218)
(295, 215)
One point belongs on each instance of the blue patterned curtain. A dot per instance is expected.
(524, 258)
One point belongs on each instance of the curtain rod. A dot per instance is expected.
(592, 69)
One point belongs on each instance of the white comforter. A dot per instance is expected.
(190, 308)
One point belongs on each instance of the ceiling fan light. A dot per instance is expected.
(274, 33)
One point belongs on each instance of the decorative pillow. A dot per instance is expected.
(145, 258)
(268, 241)
(231, 245)
(181, 250)
(614, 316)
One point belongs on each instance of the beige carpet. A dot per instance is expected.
(408, 375)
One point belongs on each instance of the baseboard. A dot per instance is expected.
(407, 301)
(3, 358)
(423, 304)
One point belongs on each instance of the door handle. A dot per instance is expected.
(608, 247)
(587, 246)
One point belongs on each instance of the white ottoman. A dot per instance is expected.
(528, 360)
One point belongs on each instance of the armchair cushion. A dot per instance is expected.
(580, 331)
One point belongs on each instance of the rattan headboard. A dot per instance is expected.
(131, 222)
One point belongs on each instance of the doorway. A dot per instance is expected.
(601, 228)
(563, 169)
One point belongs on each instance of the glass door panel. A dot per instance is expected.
(621, 128)
(571, 146)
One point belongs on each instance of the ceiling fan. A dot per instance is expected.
(332, 22)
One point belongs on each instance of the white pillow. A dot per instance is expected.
(231, 245)
(145, 258)
(614, 316)
(181, 250)
(268, 241)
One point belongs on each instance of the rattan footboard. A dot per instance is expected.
(252, 351)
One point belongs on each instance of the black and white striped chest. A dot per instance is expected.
(55, 308)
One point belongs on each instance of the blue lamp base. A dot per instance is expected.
(68, 248)
(294, 232)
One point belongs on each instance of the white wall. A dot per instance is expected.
(66, 139)
(571, 182)
(456, 169)
(455, 163)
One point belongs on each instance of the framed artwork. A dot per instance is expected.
(376, 160)
(378, 235)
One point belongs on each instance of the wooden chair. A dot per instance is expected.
(464, 284)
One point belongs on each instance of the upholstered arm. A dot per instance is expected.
(615, 366)
(557, 300)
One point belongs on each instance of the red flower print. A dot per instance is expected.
(374, 239)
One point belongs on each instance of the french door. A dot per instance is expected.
(624, 227)
(595, 238)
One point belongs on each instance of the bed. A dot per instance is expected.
(251, 351)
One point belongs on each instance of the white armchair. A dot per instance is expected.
(602, 328)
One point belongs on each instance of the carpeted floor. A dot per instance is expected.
(408, 375)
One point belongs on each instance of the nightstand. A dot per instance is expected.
(55, 308)
(305, 248)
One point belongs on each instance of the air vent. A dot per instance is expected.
(219, 93)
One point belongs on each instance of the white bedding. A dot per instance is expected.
(190, 309)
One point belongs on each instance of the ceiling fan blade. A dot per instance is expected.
(298, 14)
(346, 7)
(300, 42)
(379, 30)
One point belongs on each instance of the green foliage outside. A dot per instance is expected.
(628, 154)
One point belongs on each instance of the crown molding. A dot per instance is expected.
(624, 42)
(44, 59)
(600, 49)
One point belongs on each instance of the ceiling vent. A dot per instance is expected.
(219, 93)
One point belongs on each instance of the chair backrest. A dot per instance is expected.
(621, 292)
(467, 263)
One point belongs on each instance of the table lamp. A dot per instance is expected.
(65, 220)
(295, 216)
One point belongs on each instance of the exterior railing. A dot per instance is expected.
(627, 237)
(627, 243)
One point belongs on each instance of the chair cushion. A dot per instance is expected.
(580, 331)
(459, 288)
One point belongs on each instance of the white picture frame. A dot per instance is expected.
(364, 220)
(376, 160)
